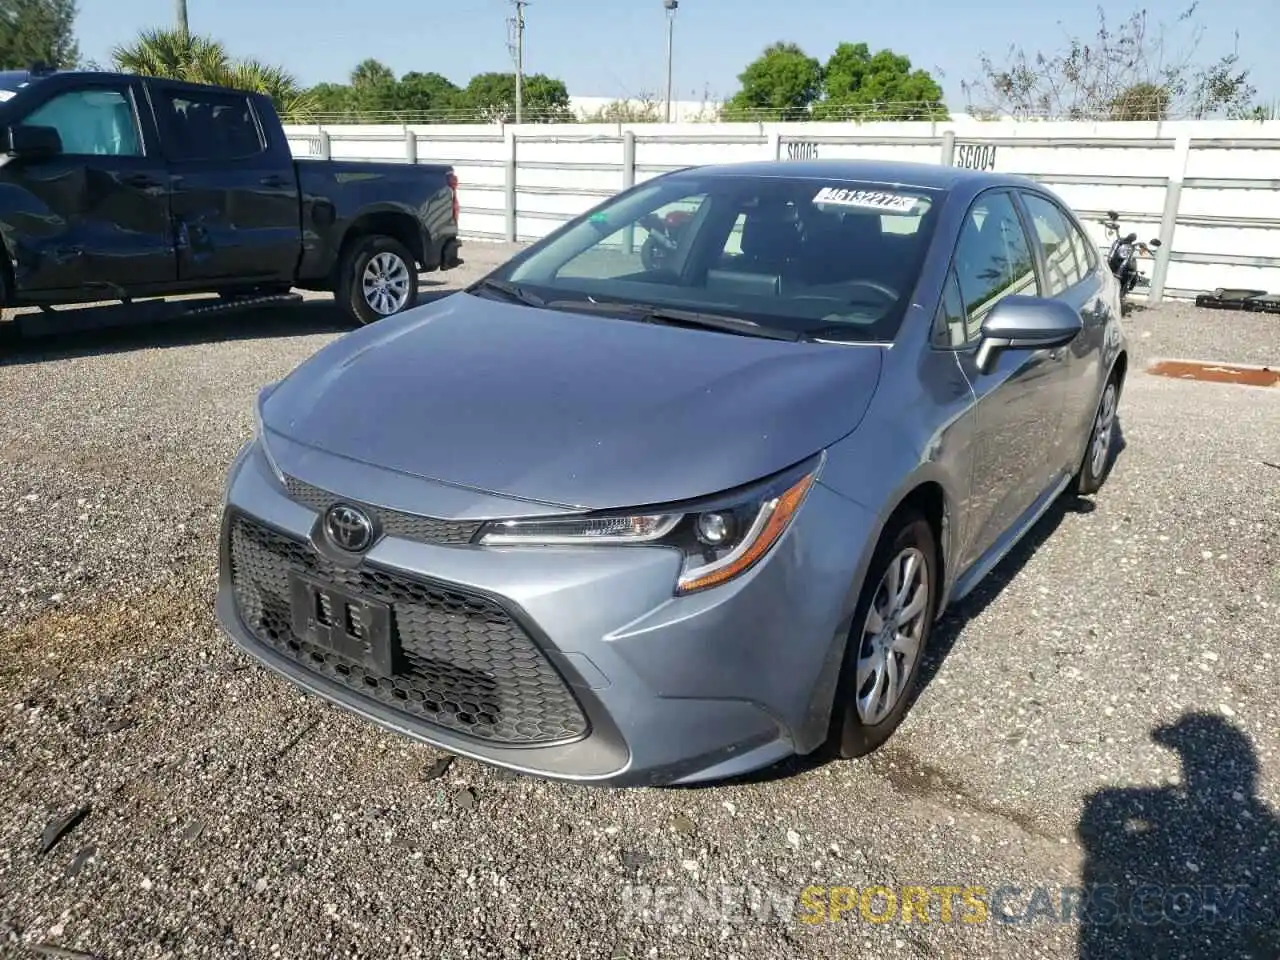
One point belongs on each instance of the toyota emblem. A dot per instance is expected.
(348, 527)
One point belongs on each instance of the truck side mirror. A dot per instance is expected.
(33, 143)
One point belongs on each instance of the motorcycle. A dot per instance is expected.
(664, 237)
(1122, 258)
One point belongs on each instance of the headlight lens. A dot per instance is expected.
(720, 539)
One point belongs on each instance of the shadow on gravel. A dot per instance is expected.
(311, 317)
(947, 630)
(1187, 870)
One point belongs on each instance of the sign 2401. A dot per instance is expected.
(976, 156)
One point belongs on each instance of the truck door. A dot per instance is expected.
(95, 215)
(234, 191)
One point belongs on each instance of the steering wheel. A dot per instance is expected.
(887, 292)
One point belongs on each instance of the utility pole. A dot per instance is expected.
(181, 6)
(670, 6)
(517, 50)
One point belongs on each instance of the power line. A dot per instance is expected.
(516, 46)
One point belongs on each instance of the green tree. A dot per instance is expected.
(333, 101)
(492, 96)
(858, 84)
(197, 59)
(781, 83)
(1113, 74)
(429, 94)
(371, 73)
(375, 94)
(38, 30)
(373, 87)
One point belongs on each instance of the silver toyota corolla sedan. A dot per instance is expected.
(680, 490)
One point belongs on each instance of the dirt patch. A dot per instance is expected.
(99, 631)
(1216, 372)
(911, 776)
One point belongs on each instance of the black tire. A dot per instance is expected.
(350, 289)
(9, 332)
(1092, 473)
(852, 736)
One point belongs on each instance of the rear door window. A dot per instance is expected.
(1063, 270)
(211, 126)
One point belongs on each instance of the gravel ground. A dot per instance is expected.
(230, 816)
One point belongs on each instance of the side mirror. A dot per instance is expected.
(1154, 243)
(33, 143)
(1026, 323)
(1113, 215)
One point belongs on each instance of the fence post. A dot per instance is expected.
(410, 146)
(1169, 218)
(775, 145)
(629, 181)
(948, 148)
(326, 149)
(509, 138)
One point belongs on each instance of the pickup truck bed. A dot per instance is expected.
(116, 187)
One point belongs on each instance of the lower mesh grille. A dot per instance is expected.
(461, 661)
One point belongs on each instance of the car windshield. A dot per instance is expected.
(11, 81)
(835, 259)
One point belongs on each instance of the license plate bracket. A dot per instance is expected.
(351, 625)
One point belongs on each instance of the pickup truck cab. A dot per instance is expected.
(115, 187)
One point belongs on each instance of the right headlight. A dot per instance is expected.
(720, 538)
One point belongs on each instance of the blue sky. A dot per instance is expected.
(618, 47)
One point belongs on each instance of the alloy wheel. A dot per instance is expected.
(892, 635)
(386, 283)
(1103, 427)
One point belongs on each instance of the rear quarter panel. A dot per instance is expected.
(337, 193)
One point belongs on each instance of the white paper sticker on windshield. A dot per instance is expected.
(869, 199)
(6, 95)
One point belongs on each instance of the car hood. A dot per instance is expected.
(569, 409)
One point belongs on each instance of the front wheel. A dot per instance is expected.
(378, 278)
(891, 627)
(1097, 456)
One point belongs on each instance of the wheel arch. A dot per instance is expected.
(1120, 369)
(927, 495)
(394, 222)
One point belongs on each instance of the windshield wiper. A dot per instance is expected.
(680, 318)
(511, 291)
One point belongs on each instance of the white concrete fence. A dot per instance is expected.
(1210, 190)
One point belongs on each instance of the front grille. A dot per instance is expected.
(393, 523)
(461, 661)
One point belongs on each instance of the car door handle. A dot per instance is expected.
(275, 180)
(141, 180)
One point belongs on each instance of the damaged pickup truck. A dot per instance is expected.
(116, 187)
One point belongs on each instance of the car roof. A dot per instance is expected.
(930, 176)
(15, 79)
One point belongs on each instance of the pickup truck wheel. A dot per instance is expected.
(378, 279)
(8, 317)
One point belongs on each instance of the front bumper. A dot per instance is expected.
(635, 685)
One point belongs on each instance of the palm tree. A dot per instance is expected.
(196, 59)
